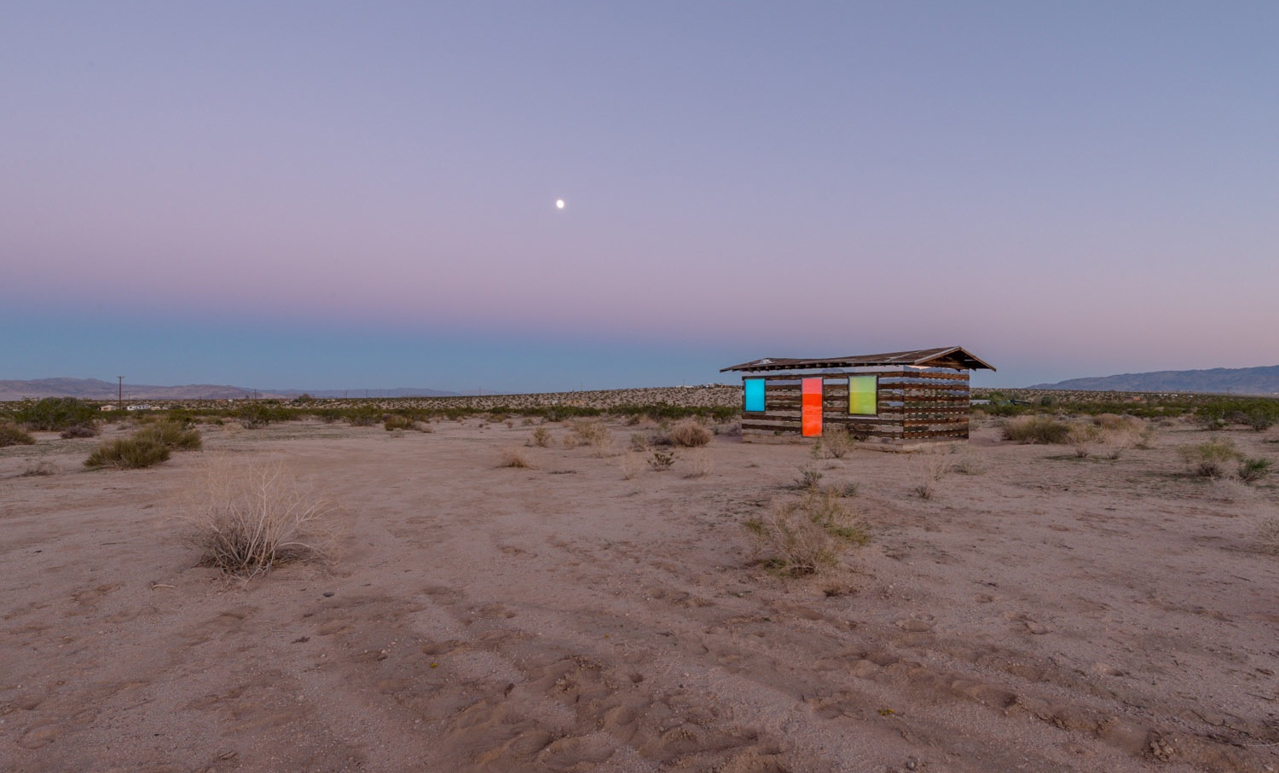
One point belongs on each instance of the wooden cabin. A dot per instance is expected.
(898, 397)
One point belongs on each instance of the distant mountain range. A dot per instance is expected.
(95, 389)
(1236, 381)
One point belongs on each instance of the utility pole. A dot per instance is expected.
(120, 397)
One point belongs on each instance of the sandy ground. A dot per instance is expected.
(1047, 614)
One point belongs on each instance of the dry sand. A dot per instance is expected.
(1048, 614)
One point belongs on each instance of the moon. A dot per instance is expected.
(559, 203)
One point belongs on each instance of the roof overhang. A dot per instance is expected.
(954, 357)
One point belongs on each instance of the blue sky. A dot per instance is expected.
(330, 195)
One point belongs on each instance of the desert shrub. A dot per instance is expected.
(79, 431)
(968, 464)
(40, 468)
(923, 490)
(129, 453)
(513, 457)
(1035, 429)
(13, 435)
(835, 444)
(1258, 413)
(639, 442)
(541, 437)
(1208, 459)
(1268, 535)
(1253, 469)
(571, 441)
(809, 478)
(364, 416)
(661, 460)
(689, 434)
(172, 435)
(630, 465)
(700, 465)
(54, 414)
(808, 535)
(843, 490)
(394, 421)
(259, 415)
(248, 519)
(593, 433)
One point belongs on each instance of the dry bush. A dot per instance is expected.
(541, 437)
(689, 434)
(809, 478)
(571, 441)
(172, 435)
(395, 421)
(808, 535)
(1230, 490)
(39, 469)
(968, 464)
(593, 434)
(835, 444)
(630, 465)
(13, 435)
(248, 518)
(1035, 429)
(1268, 535)
(1253, 469)
(661, 461)
(77, 431)
(1208, 459)
(639, 442)
(700, 465)
(131, 453)
(513, 457)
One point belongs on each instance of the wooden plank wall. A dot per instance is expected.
(913, 405)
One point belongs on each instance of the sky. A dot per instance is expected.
(335, 195)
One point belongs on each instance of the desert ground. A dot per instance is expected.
(1038, 612)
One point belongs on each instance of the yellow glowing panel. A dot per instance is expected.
(863, 395)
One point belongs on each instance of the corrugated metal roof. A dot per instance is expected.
(942, 357)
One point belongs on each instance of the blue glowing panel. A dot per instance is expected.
(755, 395)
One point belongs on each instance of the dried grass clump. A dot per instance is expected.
(79, 431)
(968, 464)
(13, 435)
(1253, 469)
(541, 437)
(173, 435)
(835, 444)
(630, 465)
(395, 421)
(808, 535)
(249, 518)
(661, 461)
(39, 469)
(593, 434)
(700, 465)
(1208, 459)
(1036, 429)
(513, 457)
(689, 434)
(1268, 535)
(131, 453)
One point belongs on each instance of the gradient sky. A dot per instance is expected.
(349, 195)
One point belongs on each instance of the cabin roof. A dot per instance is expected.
(943, 357)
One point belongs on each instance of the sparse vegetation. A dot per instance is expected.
(248, 519)
(1268, 535)
(13, 435)
(1209, 459)
(131, 453)
(41, 468)
(834, 444)
(660, 460)
(54, 414)
(172, 435)
(394, 421)
(1252, 470)
(700, 465)
(513, 457)
(1036, 429)
(541, 437)
(630, 465)
(79, 431)
(808, 535)
(809, 478)
(968, 464)
(689, 434)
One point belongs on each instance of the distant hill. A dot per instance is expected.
(1236, 381)
(96, 389)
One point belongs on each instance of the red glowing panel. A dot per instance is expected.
(811, 393)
